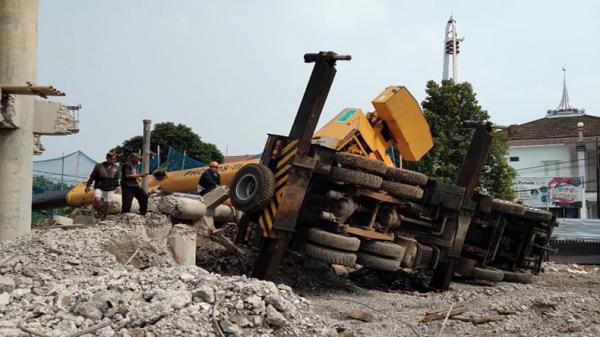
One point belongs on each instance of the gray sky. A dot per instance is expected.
(233, 70)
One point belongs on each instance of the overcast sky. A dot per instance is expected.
(233, 70)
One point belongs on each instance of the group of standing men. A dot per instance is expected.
(105, 181)
(105, 178)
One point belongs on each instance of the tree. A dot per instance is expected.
(180, 137)
(42, 184)
(446, 107)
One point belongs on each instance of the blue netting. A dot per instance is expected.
(178, 161)
(154, 164)
(66, 170)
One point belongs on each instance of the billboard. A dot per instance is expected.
(542, 192)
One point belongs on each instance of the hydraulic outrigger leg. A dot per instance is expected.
(294, 191)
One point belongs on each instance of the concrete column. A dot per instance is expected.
(182, 241)
(146, 152)
(581, 165)
(18, 60)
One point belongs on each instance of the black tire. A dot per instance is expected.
(382, 248)
(356, 178)
(377, 262)
(536, 214)
(338, 241)
(361, 163)
(518, 277)
(402, 190)
(252, 188)
(507, 207)
(405, 176)
(330, 255)
(487, 274)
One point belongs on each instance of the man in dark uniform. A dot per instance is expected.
(129, 185)
(105, 178)
(210, 179)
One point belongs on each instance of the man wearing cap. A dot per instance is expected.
(210, 179)
(130, 187)
(105, 178)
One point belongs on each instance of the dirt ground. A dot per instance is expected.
(563, 301)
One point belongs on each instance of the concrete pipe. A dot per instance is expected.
(182, 208)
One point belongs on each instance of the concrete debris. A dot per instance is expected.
(361, 316)
(56, 283)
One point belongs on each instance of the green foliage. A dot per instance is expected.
(446, 107)
(42, 184)
(180, 137)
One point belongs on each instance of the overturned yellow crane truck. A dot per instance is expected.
(336, 195)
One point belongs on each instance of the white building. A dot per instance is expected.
(555, 159)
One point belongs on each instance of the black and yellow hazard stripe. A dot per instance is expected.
(281, 172)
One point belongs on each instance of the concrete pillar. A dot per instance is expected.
(18, 60)
(581, 165)
(182, 241)
(146, 152)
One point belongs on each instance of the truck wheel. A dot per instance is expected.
(252, 188)
(361, 163)
(377, 262)
(386, 249)
(507, 207)
(357, 178)
(330, 255)
(405, 176)
(333, 240)
(402, 190)
(536, 214)
(518, 277)
(487, 274)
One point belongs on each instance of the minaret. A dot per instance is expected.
(452, 48)
(565, 108)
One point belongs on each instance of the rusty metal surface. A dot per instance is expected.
(468, 176)
(367, 233)
(383, 197)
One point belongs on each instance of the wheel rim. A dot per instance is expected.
(246, 187)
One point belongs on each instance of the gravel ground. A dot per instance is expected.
(120, 275)
(119, 279)
(564, 301)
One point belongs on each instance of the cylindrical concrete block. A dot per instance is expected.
(224, 213)
(182, 208)
(117, 205)
(18, 59)
(182, 242)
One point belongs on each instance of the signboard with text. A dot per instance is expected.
(543, 192)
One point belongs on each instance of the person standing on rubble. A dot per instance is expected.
(130, 187)
(105, 178)
(210, 179)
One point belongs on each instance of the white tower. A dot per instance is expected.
(452, 48)
(565, 108)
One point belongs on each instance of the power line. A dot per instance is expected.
(556, 163)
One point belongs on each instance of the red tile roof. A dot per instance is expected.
(555, 127)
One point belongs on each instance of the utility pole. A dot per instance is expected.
(597, 182)
(146, 153)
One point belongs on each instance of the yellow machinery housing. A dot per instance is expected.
(397, 121)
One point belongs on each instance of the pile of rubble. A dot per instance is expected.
(121, 278)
